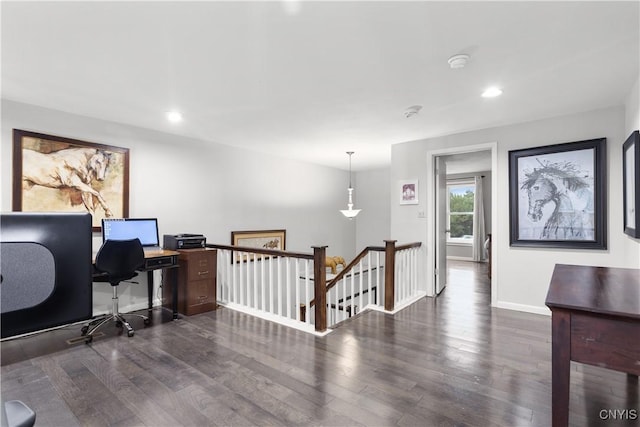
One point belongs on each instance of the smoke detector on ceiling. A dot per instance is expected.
(458, 61)
(412, 111)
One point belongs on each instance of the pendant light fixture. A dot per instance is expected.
(350, 212)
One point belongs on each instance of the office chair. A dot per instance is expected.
(117, 261)
(16, 414)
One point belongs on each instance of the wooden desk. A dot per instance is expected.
(596, 321)
(157, 260)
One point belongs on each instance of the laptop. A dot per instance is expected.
(145, 229)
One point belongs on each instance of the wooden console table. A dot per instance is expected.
(595, 320)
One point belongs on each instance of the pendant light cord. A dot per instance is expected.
(350, 153)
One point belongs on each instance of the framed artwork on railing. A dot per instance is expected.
(259, 239)
(56, 174)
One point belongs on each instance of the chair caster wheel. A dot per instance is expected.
(147, 322)
(84, 330)
(88, 339)
(130, 334)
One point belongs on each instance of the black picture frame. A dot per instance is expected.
(631, 184)
(557, 196)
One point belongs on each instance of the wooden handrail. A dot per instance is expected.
(331, 283)
(408, 246)
(273, 252)
(349, 267)
(321, 285)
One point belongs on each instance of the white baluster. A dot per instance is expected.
(263, 291)
(296, 302)
(271, 296)
(378, 283)
(336, 303)
(307, 286)
(279, 283)
(234, 291)
(361, 284)
(247, 280)
(288, 292)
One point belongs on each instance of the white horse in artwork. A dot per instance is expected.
(70, 169)
(571, 196)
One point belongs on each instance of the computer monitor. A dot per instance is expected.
(145, 229)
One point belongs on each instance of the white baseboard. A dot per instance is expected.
(398, 307)
(459, 258)
(523, 307)
(304, 327)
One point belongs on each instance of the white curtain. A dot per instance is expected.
(478, 222)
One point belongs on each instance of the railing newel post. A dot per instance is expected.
(320, 287)
(389, 274)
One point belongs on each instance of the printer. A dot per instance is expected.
(184, 241)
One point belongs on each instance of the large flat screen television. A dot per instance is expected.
(45, 273)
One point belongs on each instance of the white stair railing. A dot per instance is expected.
(280, 286)
(358, 289)
(406, 276)
(269, 285)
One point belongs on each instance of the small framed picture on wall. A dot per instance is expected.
(408, 190)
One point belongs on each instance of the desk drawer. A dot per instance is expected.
(200, 297)
(606, 342)
(200, 265)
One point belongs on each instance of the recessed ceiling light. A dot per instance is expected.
(174, 116)
(492, 92)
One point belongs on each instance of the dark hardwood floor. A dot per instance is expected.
(449, 361)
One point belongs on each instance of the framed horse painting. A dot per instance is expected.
(557, 195)
(55, 174)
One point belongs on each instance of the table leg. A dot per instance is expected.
(174, 292)
(150, 289)
(560, 366)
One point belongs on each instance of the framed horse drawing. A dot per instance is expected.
(55, 174)
(557, 195)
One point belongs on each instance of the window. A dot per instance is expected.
(460, 201)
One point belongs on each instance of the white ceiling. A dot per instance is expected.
(311, 80)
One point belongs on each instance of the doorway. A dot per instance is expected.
(461, 178)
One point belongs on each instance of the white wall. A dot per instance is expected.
(200, 187)
(372, 195)
(632, 109)
(522, 274)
